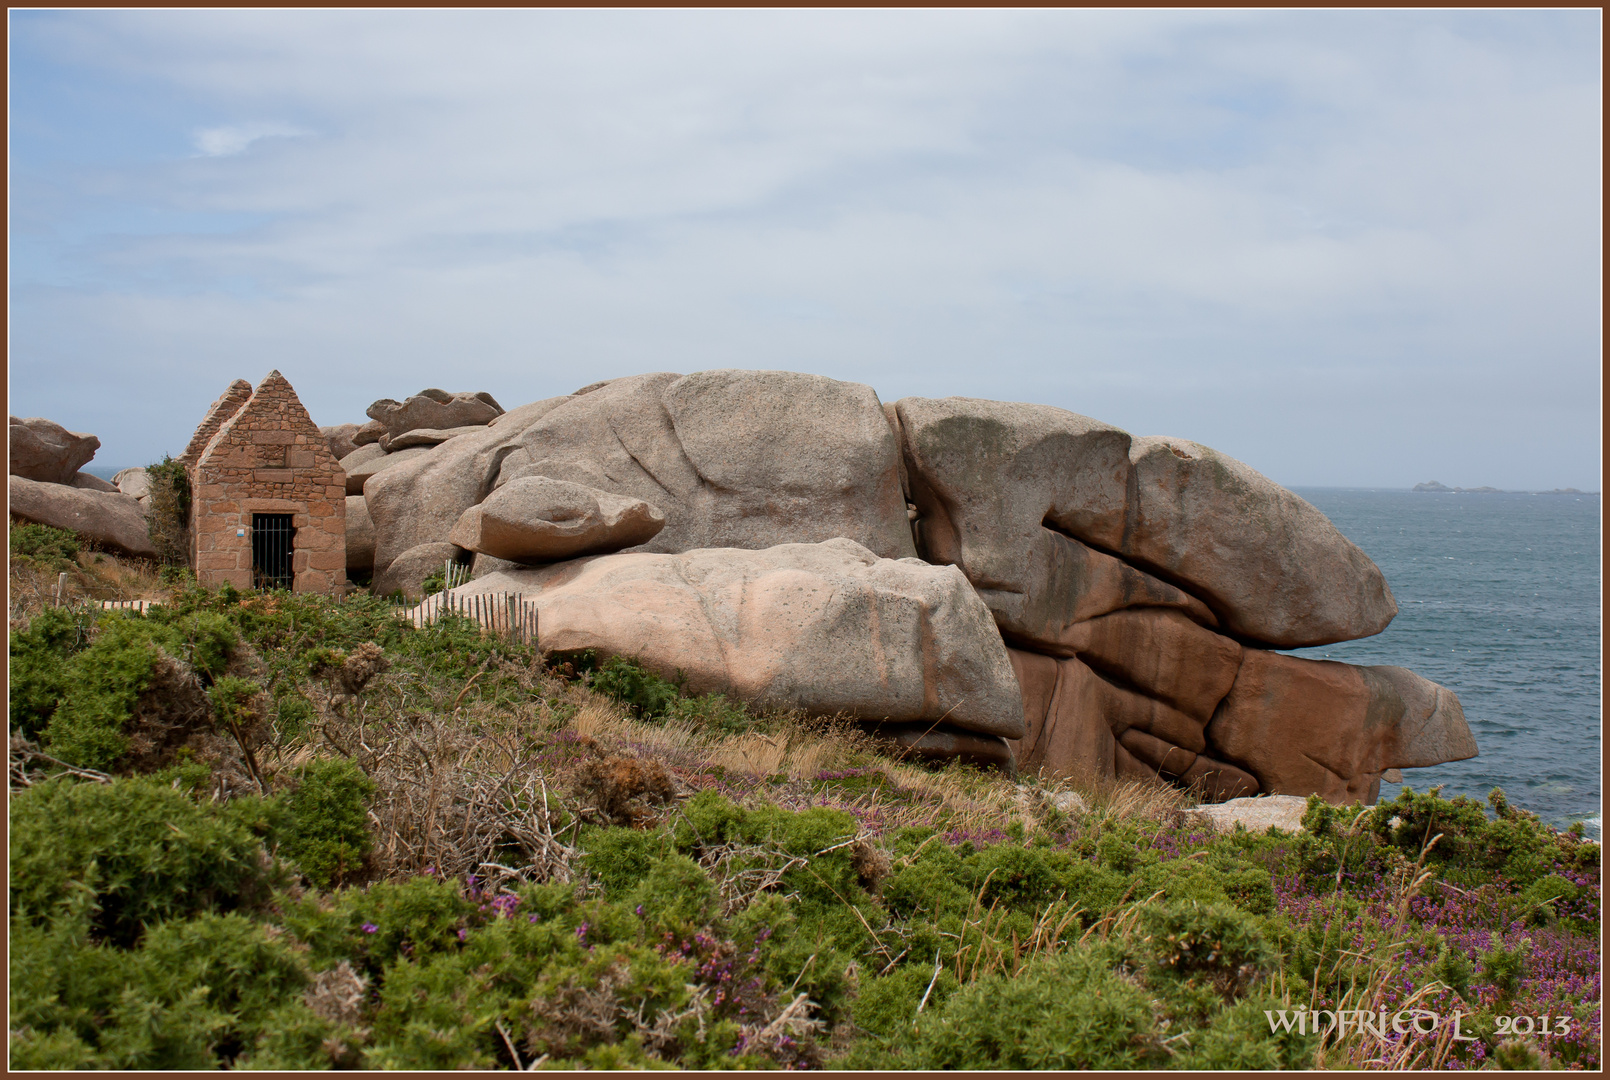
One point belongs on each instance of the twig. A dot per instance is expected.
(923, 1003)
(515, 1054)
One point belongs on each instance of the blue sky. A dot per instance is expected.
(1349, 248)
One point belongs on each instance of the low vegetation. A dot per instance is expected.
(277, 831)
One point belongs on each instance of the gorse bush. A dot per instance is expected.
(50, 547)
(95, 688)
(134, 853)
(326, 831)
(40, 672)
(650, 696)
(639, 899)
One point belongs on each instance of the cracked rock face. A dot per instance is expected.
(827, 628)
(1135, 587)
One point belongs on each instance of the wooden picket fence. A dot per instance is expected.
(508, 615)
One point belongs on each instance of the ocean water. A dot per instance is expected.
(1498, 600)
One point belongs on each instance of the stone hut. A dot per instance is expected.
(268, 499)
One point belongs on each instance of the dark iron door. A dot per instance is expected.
(273, 540)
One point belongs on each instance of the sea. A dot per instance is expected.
(1499, 601)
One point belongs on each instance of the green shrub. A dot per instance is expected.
(142, 851)
(374, 926)
(1504, 968)
(167, 512)
(39, 666)
(326, 832)
(645, 693)
(620, 858)
(1241, 1037)
(1068, 1012)
(1454, 969)
(1215, 943)
(103, 683)
(45, 545)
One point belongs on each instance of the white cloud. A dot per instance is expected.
(1203, 223)
(231, 139)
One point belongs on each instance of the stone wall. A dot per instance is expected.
(269, 458)
(227, 405)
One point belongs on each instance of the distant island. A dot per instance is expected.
(1434, 486)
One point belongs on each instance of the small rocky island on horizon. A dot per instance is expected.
(1435, 486)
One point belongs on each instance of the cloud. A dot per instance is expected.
(1202, 224)
(231, 139)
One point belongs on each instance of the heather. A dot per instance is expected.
(275, 831)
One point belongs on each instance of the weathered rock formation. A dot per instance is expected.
(113, 520)
(45, 451)
(827, 628)
(48, 488)
(768, 523)
(433, 409)
(339, 439)
(135, 482)
(744, 459)
(535, 519)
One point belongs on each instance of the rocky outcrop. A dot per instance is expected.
(1001, 489)
(746, 459)
(339, 438)
(1321, 727)
(828, 628)
(434, 409)
(426, 437)
(113, 520)
(536, 519)
(1135, 586)
(45, 451)
(367, 460)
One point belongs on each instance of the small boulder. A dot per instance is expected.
(368, 433)
(43, 450)
(360, 536)
(113, 520)
(1257, 815)
(827, 628)
(135, 482)
(538, 519)
(434, 409)
(426, 437)
(408, 571)
(366, 461)
(91, 482)
(339, 437)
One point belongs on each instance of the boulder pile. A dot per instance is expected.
(1004, 582)
(48, 487)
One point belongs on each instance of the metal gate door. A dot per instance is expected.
(273, 539)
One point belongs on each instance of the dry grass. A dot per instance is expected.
(95, 576)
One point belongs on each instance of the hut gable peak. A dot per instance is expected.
(227, 405)
(270, 430)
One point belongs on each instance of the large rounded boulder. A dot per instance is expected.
(828, 628)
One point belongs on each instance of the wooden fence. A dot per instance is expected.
(508, 615)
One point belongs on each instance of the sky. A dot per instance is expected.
(1348, 248)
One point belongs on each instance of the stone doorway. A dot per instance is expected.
(273, 541)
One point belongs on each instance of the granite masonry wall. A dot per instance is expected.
(268, 458)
